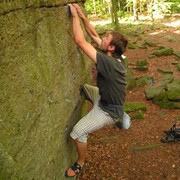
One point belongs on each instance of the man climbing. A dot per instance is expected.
(109, 95)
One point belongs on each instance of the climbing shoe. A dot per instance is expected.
(172, 135)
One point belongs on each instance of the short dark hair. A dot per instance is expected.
(120, 43)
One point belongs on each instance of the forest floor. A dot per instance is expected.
(138, 153)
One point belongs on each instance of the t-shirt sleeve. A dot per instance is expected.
(104, 65)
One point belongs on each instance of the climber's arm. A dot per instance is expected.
(88, 27)
(79, 38)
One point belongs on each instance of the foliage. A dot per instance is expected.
(153, 8)
(174, 6)
(96, 7)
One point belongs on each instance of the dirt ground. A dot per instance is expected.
(137, 153)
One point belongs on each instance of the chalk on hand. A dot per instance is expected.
(67, 9)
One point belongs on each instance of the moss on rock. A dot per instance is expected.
(41, 70)
(138, 82)
(178, 66)
(177, 54)
(137, 115)
(134, 106)
(152, 91)
(141, 68)
(149, 43)
(165, 80)
(131, 46)
(163, 102)
(164, 71)
(166, 94)
(135, 109)
(142, 63)
(173, 91)
(164, 52)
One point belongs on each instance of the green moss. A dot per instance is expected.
(131, 46)
(173, 90)
(164, 71)
(172, 39)
(144, 148)
(163, 102)
(165, 80)
(134, 106)
(177, 54)
(138, 82)
(164, 52)
(173, 95)
(152, 91)
(175, 84)
(135, 33)
(38, 93)
(141, 68)
(142, 47)
(149, 43)
(142, 63)
(177, 118)
(137, 115)
(151, 56)
(165, 94)
(178, 66)
(174, 63)
(141, 81)
(130, 80)
(3, 176)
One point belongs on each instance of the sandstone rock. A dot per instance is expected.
(41, 70)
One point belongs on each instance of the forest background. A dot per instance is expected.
(133, 9)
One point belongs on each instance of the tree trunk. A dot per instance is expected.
(114, 14)
(135, 10)
(95, 10)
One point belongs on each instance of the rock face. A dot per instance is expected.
(41, 70)
(166, 93)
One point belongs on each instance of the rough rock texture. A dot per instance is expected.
(152, 91)
(41, 70)
(166, 93)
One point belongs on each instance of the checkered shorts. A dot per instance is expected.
(94, 120)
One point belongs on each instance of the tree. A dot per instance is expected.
(114, 14)
(133, 7)
(135, 12)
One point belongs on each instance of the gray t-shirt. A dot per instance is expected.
(111, 83)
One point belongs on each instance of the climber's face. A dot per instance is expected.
(105, 43)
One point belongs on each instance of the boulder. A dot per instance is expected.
(164, 103)
(152, 91)
(41, 70)
(166, 93)
(173, 91)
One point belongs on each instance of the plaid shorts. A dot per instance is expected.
(94, 120)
